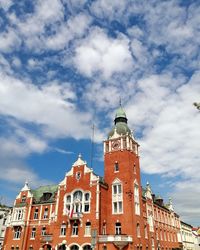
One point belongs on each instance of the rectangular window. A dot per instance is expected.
(104, 228)
(136, 200)
(88, 229)
(145, 232)
(115, 207)
(117, 199)
(115, 189)
(33, 233)
(63, 230)
(17, 233)
(45, 213)
(43, 232)
(19, 214)
(35, 216)
(120, 206)
(116, 167)
(118, 228)
(75, 229)
(138, 230)
(87, 207)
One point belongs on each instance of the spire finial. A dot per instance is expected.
(120, 101)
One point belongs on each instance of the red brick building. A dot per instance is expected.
(86, 211)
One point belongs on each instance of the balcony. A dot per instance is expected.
(76, 216)
(17, 223)
(46, 238)
(119, 241)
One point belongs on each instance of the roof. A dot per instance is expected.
(120, 113)
(38, 193)
(120, 127)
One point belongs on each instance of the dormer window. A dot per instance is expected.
(46, 196)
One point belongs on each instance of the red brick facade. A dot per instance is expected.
(86, 211)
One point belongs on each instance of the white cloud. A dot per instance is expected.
(184, 197)
(50, 106)
(46, 28)
(169, 121)
(75, 27)
(16, 62)
(9, 40)
(5, 4)
(18, 173)
(99, 53)
(109, 9)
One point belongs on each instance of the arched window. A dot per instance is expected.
(88, 228)
(87, 202)
(78, 195)
(138, 230)
(74, 247)
(118, 229)
(87, 247)
(78, 202)
(43, 232)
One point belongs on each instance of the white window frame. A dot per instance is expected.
(33, 233)
(75, 229)
(79, 202)
(43, 232)
(137, 198)
(36, 214)
(63, 229)
(88, 229)
(117, 197)
(17, 233)
(46, 213)
(118, 228)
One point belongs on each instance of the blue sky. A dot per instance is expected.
(64, 65)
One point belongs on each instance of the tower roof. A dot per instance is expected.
(120, 113)
(121, 127)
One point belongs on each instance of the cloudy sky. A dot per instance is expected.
(65, 64)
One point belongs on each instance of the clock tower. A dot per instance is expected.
(122, 174)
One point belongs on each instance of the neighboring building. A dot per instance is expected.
(187, 236)
(86, 211)
(4, 217)
(196, 237)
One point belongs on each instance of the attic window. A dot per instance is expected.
(78, 175)
(46, 196)
(23, 198)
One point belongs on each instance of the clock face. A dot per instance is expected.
(115, 145)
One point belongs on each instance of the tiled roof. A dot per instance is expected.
(38, 193)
